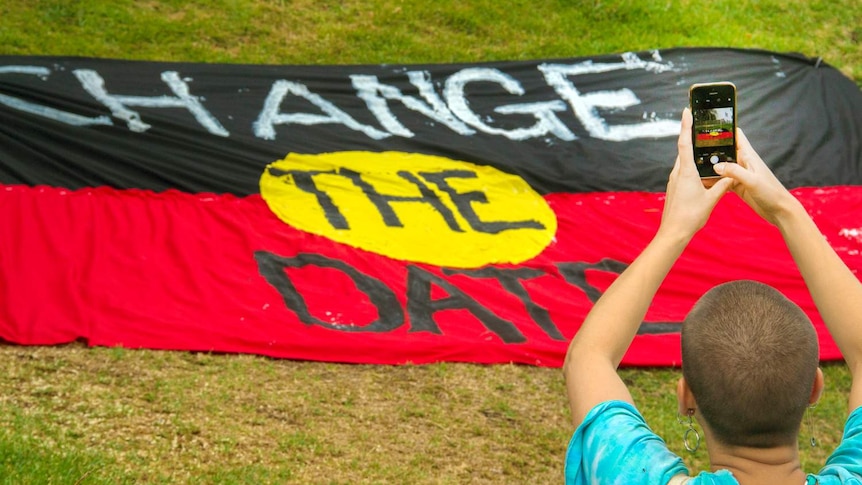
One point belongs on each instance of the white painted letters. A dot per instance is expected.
(557, 110)
(368, 87)
(547, 121)
(118, 104)
(271, 116)
(48, 112)
(585, 106)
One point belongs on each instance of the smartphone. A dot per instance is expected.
(713, 131)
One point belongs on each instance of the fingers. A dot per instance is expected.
(742, 147)
(746, 154)
(734, 172)
(675, 170)
(721, 187)
(684, 147)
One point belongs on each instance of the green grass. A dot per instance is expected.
(75, 415)
(378, 31)
(24, 461)
(71, 414)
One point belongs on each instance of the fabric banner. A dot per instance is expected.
(390, 213)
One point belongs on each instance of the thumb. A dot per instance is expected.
(717, 191)
(733, 171)
(723, 185)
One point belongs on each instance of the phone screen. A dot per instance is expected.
(713, 109)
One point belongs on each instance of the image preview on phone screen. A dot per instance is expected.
(714, 129)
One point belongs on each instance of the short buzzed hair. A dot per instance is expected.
(750, 357)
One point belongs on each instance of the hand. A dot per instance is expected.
(755, 183)
(688, 203)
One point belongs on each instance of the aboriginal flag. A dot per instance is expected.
(390, 213)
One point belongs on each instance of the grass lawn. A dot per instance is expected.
(134, 416)
(74, 415)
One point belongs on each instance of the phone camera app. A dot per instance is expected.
(714, 123)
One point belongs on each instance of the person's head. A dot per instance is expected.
(750, 359)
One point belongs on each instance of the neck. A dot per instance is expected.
(755, 466)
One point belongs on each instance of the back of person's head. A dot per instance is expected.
(750, 357)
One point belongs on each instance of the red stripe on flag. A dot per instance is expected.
(722, 135)
(179, 271)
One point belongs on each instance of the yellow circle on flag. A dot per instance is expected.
(411, 206)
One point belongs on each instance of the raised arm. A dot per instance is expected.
(835, 290)
(596, 351)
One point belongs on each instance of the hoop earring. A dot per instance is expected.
(686, 436)
(812, 440)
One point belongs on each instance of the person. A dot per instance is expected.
(750, 355)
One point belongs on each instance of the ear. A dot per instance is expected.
(684, 398)
(817, 388)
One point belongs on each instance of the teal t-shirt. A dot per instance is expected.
(614, 445)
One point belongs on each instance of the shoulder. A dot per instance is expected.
(614, 445)
(853, 426)
(612, 413)
(610, 409)
(617, 419)
(855, 418)
(844, 465)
